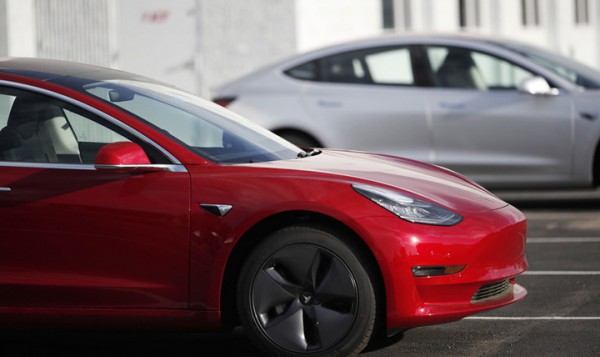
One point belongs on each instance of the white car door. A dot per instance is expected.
(487, 129)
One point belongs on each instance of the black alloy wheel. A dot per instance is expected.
(303, 291)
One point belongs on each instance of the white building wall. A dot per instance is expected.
(200, 44)
(497, 17)
(3, 28)
(510, 13)
(556, 30)
(417, 15)
(72, 30)
(325, 22)
(433, 16)
(596, 21)
(512, 25)
(20, 28)
(156, 39)
(443, 15)
(238, 36)
(578, 40)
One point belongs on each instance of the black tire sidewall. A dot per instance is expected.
(358, 336)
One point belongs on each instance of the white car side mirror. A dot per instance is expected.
(537, 86)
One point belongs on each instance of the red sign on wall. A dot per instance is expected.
(157, 16)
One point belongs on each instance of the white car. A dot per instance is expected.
(503, 113)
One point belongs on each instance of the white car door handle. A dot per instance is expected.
(453, 106)
(330, 103)
(5, 189)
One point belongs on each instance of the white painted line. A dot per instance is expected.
(561, 272)
(560, 318)
(564, 240)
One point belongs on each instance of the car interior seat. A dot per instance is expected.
(37, 131)
(343, 71)
(459, 71)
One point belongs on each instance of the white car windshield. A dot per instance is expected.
(206, 128)
(573, 71)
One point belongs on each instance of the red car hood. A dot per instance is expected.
(430, 182)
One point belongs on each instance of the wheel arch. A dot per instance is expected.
(278, 221)
(311, 139)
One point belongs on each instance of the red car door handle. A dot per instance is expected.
(5, 189)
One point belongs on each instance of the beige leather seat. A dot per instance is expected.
(37, 131)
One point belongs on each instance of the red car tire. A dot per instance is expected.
(304, 291)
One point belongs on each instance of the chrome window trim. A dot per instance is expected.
(87, 167)
(47, 165)
(94, 111)
(143, 168)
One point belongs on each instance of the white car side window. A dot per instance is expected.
(87, 130)
(6, 102)
(498, 73)
(385, 66)
(456, 67)
(391, 67)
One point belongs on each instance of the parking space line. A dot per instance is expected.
(564, 240)
(560, 318)
(561, 272)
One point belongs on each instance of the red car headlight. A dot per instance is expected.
(408, 208)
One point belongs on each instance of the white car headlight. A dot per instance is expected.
(408, 208)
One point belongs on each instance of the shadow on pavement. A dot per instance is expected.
(125, 344)
(130, 344)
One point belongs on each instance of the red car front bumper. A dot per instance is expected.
(490, 245)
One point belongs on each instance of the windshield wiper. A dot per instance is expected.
(312, 152)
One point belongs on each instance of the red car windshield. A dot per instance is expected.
(206, 128)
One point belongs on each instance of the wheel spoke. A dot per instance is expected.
(271, 290)
(337, 284)
(299, 263)
(331, 325)
(274, 274)
(287, 330)
(312, 274)
(304, 298)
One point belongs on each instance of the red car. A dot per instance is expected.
(127, 203)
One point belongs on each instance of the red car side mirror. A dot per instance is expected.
(124, 156)
(121, 153)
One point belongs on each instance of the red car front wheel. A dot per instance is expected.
(303, 291)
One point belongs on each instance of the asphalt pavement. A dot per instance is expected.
(560, 316)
